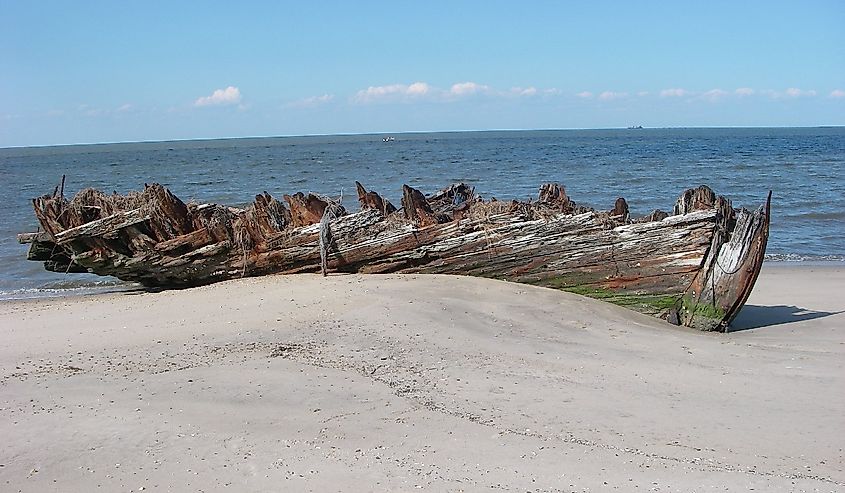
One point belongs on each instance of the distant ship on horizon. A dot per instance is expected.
(636, 127)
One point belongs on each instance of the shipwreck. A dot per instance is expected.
(694, 267)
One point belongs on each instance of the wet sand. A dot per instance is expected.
(402, 383)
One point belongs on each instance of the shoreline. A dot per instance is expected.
(401, 382)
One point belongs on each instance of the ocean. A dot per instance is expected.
(804, 167)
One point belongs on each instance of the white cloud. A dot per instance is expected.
(380, 91)
(391, 92)
(714, 94)
(312, 101)
(610, 95)
(419, 89)
(794, 92)
(673, 93)
(744, 91)
(220, 97)
(124, 108)
(524, 91)
(837, 93)
(468, 88)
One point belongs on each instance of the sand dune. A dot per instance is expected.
(401, 383)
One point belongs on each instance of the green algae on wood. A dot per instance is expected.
(650, 304)
(706, 251)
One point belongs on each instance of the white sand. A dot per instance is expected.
(396, 383)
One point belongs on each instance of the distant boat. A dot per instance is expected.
(388, 139)
(637, 127)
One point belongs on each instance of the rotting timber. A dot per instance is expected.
(694, 267)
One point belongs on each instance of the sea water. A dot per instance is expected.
(804, 167)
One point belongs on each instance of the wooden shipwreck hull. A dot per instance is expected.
(694, 267)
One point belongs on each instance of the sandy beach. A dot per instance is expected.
(402, 383)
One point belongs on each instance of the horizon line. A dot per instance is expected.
(406, 132)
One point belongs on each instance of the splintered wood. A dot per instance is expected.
(695, 267)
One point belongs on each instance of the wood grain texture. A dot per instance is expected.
(695, 267)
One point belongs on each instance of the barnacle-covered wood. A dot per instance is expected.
(695, 267)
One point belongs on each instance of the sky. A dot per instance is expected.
(89, 71)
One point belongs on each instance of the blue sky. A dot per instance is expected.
(79, 72)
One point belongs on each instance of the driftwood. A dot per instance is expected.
(695, 267)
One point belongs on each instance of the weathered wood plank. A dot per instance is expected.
(666, 266)
(105, 227)
(188, 241)
(37, 237)
(730, 270)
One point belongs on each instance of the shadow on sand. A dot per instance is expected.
(755, 317)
